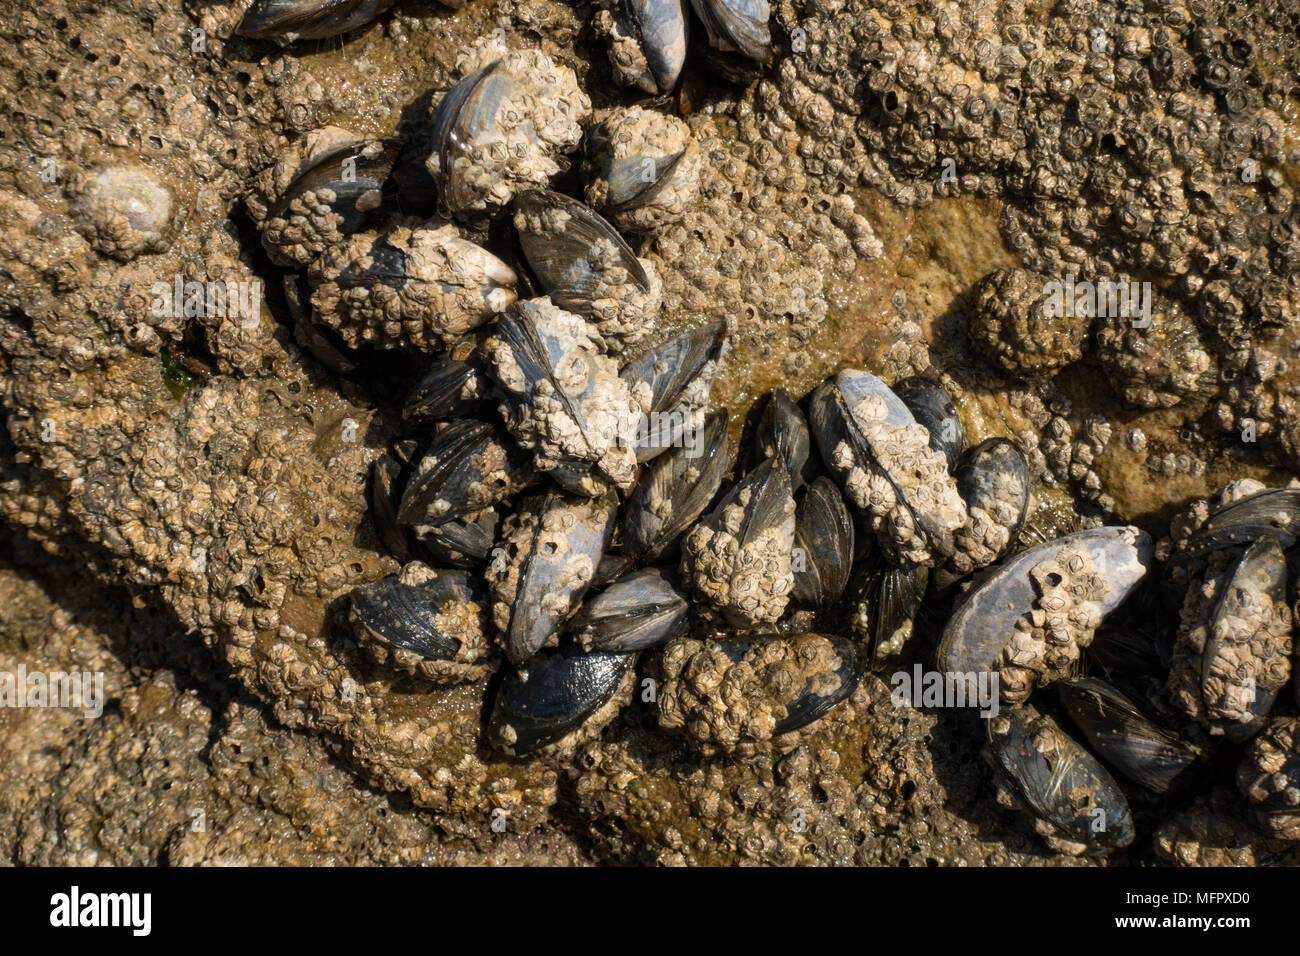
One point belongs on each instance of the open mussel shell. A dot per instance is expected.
(783, 433)
(984, 621)
(555, 695)
(823, 539)
(551, 550)
(890, 602)
(450, 387)
(675, 490)
(466, 468)
(432, 624)
(1123, 736)
(737, 25)
(307, 19)
(1055, 779)
(637, 611)
(932, 406)
(676, 378)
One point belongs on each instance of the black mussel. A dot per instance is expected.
(386, 481)
(890, 602)
(564, 400)
(823, 545)
(611, 567)
(292, 20)
(675, 490)
(1076, 805)
(637, 611)
(462, 542)
(466, 468)
(783, 433)
(452, 385)
(1123, 736)
(993, 480)
(585, 267)
(1269, 776)
(559, 692)
(1272, 513)
(737, 25)
(647, 41)
(1030, 618)
(1234, 646)
(735, 693)
(551, 548)
(874, 448)
(932, 406)
(429, 623)
(737, 559)
(673, 382)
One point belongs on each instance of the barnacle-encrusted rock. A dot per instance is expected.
(417, 286)
(564, 398)
(1160, 364)
(642, 168)
(728, 695)
(738, 558)
(124, 211)
(504, 128)
(1022, 327)
(1269, 776)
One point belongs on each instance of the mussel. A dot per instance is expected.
(637, 611)
(672, 382)
(737, 25)
(823, 545)
(932, 407)
(292, 20)
(993, 480)
(783, 433)
(647, 41)
(642, 169)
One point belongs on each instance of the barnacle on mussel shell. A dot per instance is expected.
(504, 128)
(647, 41)
(642, 169)
(1269, 776)
(429, 623)
(637, 611)
(882, 457)
(559, 697)
(452, 384)
(1030, 619)
(733, 694)
(585, 267)
(293, 20)
(319, 192)
(672, 383)
(1233, 653)
(564, 400)
(737, 559)
(675, 490)
(1077, 806)
(932, 407)
(993, 480)
(416, 286)
(550, 549)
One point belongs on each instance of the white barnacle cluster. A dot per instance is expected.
(1060, 624)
